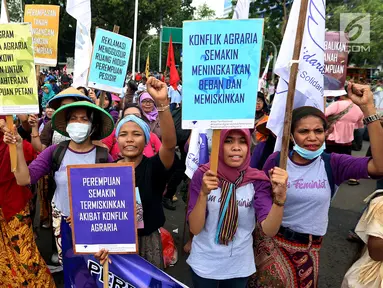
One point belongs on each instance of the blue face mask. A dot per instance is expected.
(307, 154)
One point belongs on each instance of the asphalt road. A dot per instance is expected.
(337, 254)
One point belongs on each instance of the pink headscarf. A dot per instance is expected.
(151, 116)
(231, 174)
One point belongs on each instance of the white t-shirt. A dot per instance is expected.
(61, 196)
(174, 95)
(214, 261)
(308, 198)
(141, 87)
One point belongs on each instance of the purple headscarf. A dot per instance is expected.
(151, 116)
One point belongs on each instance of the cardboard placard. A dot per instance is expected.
(109, 63)
(103, 208)
(221, 63)
(18, 88)
(45, 32)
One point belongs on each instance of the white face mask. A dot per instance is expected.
(78, 132)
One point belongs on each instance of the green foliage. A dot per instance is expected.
(15, 11)
(204, 12)
(106, 14)
(362, 58)
(273, 13)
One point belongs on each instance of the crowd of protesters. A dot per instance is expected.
(252, 224)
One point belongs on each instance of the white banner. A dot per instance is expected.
(262, 82)
(241, 10)
(81, 11)
(4, 19)
(199, 150)
(309, 86)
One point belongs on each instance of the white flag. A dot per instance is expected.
(241, 10)
(4, 18)
(199, 150)
(309, 86)
(262, 81)
(80, 10)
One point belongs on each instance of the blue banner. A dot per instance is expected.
(130, 271)
(220, 71)
(109, 62)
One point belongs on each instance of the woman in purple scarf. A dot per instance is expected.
(150, 113)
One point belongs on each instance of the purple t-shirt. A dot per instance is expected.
(211, 260)
(42, 165)
(344, 167)
(262, 197)
(308, 194)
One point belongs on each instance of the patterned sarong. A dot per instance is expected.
(21, 264)
(283, 263)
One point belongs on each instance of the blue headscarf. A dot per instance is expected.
(139, 122)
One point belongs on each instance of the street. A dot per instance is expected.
(337, 254)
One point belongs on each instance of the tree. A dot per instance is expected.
(204, 12)
(358, 56)
(106, 14)
(14, 10)
(275, 14)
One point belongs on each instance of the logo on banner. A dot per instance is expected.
(114, 281)
(356, 31)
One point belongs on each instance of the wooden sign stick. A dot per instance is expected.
(37, 69)
(12, 147)
(105, 273)
(292, 84)
(116, 29)
(215, 150)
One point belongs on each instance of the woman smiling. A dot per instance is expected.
(152, 173)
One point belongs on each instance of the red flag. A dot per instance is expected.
(171, 63)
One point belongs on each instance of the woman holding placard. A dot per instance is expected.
(223, 209)
(291, 258)
(21, 264)
(82, 122)
(151, 173)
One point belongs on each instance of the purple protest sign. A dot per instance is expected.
(103, 208)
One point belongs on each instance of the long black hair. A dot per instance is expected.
(265, 108)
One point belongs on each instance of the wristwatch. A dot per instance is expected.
(371, 119)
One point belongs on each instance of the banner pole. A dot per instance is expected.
(105, 275)
(12, 147)
(292, 84)
(215, 151)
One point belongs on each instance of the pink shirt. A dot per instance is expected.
(344, 128)
(150, 150)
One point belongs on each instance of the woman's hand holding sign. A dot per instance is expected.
(102, 256)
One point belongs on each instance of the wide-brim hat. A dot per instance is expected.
(102, 119)
(70, 92)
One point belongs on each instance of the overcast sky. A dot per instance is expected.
(216, 5)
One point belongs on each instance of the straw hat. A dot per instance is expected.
(70, 92)
(101, 118)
